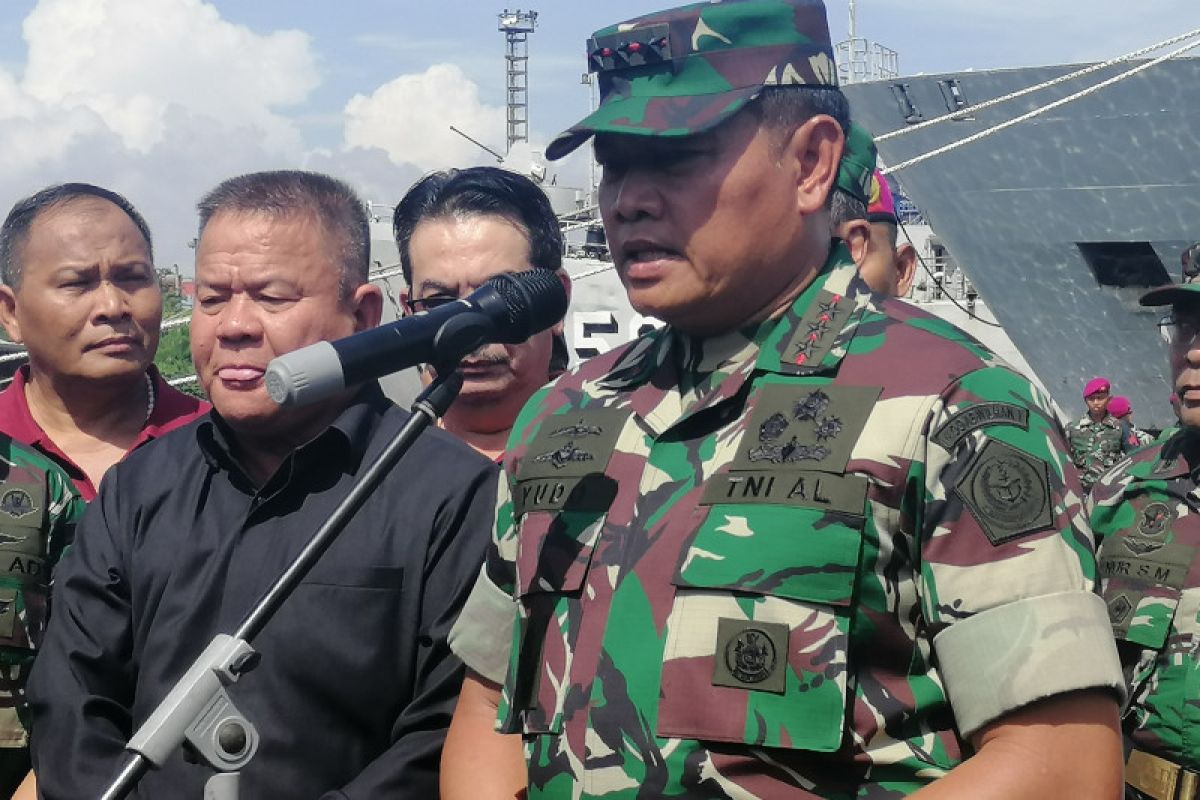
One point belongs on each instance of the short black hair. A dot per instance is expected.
(785, 108)
(288, 192)
(14, 233)
(480, 191)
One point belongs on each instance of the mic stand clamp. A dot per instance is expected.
(197, 713)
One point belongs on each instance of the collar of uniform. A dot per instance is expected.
(345, 440)
(703, 356)
(814, 334)
(1178, 456)
(646, 355)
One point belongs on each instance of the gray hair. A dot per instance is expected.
(286, 193)
(844, 208)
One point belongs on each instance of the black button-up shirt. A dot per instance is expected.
(356, 684)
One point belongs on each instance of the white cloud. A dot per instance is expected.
(130, 61)
(409, 118)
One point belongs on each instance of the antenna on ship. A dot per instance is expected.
(859, 59)
(516, 26)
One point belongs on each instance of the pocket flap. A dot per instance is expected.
(795, 553)
(554, 550)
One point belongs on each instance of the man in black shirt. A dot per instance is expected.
(356, 683)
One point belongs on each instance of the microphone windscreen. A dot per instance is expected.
(533, 301)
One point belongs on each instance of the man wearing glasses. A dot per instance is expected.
(1147, 523)
(455, 230)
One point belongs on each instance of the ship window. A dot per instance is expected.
(1124, 264)
(952, 93)
(908, 109)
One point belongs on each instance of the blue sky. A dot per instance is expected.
(159, 99)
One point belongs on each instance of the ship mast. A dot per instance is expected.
(516, 26)
(861, 60)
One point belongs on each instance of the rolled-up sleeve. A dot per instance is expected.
(1008, 570)
(1015, 654)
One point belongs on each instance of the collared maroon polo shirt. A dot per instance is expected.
(172, 409)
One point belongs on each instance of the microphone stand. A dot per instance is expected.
(197, 711)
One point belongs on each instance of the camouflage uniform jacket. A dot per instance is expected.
(1096, 447)
(38, 511)
(783, 561)
(1146, 517)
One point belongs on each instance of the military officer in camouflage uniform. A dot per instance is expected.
(1146, 516)
(38, 510)
(1097, 439)
(802, 542)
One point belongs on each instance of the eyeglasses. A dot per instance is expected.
(418, 304)
(1176, 331)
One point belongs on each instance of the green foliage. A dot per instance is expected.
(174, 359)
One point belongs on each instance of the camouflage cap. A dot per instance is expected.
(858, 164)
(1184, 291)
(682, 71)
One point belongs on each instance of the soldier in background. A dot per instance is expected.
(805, 540)
(1122, 411)
(454, 231)
(1097, 439)
(863, 213)
(38, 511)
(1144, 515)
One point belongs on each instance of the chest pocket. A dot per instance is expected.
(758, 634)
(1144, 568)
(24, 573)
(560, 501)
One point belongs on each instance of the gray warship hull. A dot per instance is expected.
(1062, 221)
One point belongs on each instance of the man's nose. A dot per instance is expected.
(635, 194)
(110, 303)
(239, 320)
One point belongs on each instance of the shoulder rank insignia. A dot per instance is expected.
(16, 503)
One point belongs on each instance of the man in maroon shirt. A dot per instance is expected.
(80, 292)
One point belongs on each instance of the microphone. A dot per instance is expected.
(507, 309)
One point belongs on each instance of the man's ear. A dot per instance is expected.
(857, 235)
(405, 298)
(8, 313)
(561, 325)
(367, 303)
(816, 148)
(906, 268)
